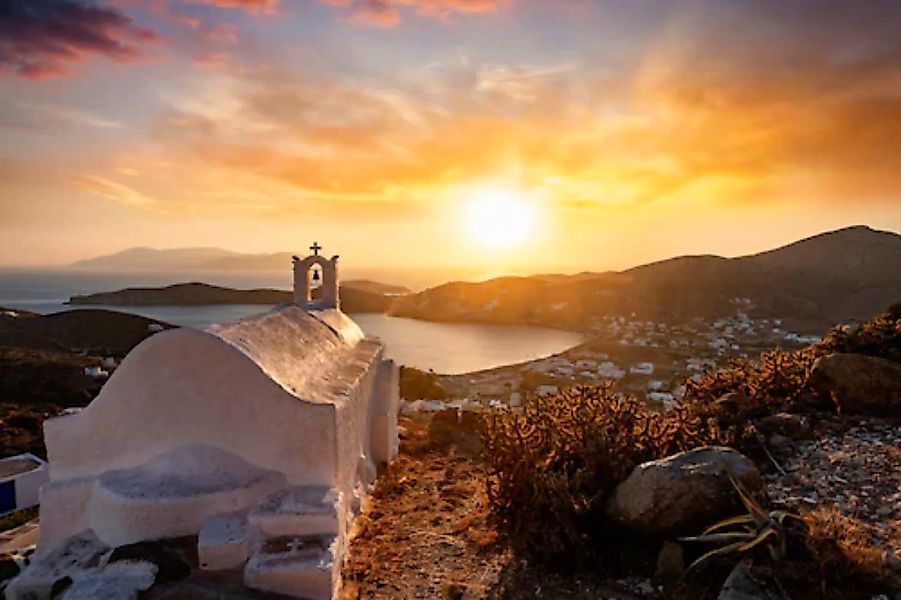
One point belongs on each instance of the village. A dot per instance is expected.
(645, 359)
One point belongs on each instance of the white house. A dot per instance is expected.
(608, 370)
(21, 477)
(265, 429)
(642, 368)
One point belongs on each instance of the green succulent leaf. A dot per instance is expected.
(739, 520)
(708, 556)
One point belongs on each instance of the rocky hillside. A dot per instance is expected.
(97, 332)
(840, 276)
(51, 362)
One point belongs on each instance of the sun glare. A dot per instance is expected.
(500, 218)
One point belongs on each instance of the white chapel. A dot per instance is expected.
(259, 437)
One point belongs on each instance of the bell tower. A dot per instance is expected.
(303, 289)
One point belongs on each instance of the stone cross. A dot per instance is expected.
(315, 248)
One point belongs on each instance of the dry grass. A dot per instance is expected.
(843, 549)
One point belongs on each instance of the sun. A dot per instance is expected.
(499, 217)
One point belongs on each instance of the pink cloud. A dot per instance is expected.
(251, 6)
(43, 38)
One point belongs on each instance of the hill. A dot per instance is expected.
(97, 332)
(353, 299)
(840, 276)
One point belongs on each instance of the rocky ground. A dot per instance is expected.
(851, 466)
(427, 533)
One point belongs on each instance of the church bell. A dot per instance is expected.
(316, 275)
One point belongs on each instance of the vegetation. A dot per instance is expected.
(420, 385)
(552, 466)
(879, 337)
(842, 548)
(779, 381)
(743, 534)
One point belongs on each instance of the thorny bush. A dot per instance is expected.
(552, 466)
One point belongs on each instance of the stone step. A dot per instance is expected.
(298, 511)
(296, 566)
(224, 542)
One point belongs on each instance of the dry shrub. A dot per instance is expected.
(879, 337)
(843, 549)
(780, 380)
(552, 466)
(736, 396)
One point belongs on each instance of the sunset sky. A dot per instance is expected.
(593, 134)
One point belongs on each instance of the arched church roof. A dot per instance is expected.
(305, 352)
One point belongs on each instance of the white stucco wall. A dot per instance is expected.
(185, 386)
(290, 392)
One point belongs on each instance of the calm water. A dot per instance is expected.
(443, 347)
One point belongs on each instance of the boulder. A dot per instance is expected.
(683, 492)
(859, 384)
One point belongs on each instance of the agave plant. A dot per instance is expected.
(744, 533)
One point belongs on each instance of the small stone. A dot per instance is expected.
(670, 562)
(741, 585)
(779, 442)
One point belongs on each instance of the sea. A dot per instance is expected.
(450, 348)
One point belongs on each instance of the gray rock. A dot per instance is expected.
(859, 384)
(680, 493)
(741, 585)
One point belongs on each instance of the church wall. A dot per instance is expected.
(185, 386)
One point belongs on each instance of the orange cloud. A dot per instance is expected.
(387, 13)
(685, 123)
(110, 190)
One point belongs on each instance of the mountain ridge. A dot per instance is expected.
(839, 276)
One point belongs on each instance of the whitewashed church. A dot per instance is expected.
(259, 437)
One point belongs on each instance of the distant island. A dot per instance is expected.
(362, 296)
